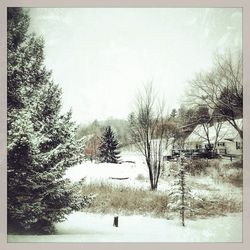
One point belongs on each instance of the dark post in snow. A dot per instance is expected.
(115, 224)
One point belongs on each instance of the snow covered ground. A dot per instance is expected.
(135, 169)
(132, 168)
(107, 173)
(87, 227)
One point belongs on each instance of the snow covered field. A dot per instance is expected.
(86, 227)
(132, 168)
(137, 174)
(93, 227)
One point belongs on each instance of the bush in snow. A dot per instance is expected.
(197, 166)
(41, 140)
(229, 173)
(109, 147)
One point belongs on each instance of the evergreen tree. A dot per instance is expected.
(41, 140)
(109, 147)
(173, 113)
(181, 195)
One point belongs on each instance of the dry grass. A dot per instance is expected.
(216, 183)
(115, 199)
(219, 170)
(127, 201)
(227, 173)
(217, 205)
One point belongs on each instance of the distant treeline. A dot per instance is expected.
(119, 126)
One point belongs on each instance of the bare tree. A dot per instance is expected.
(170, 131)
(221, 89)
(147, 132)
(91, 149)
(185, 124)
(206, 120)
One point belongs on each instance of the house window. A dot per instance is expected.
(221, 144)
(238, 145)
(222, 151)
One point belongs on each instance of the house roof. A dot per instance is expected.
(226, 133)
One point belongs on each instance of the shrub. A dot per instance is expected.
(231, 173)
(197, 166)
(141, 177)
(226, 173)
(236, 164)
(217, 205)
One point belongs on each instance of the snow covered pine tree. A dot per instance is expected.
(108, 147)
(181, 195)
(41, 141)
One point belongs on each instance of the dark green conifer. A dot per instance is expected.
(109, 147)
(41, 140)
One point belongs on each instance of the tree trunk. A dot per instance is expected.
(151, 177)
(234, 124)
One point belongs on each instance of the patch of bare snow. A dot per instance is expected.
(87, 227)
(131, 167)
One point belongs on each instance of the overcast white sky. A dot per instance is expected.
(101, 57)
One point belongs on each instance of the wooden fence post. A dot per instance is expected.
(115, 224)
